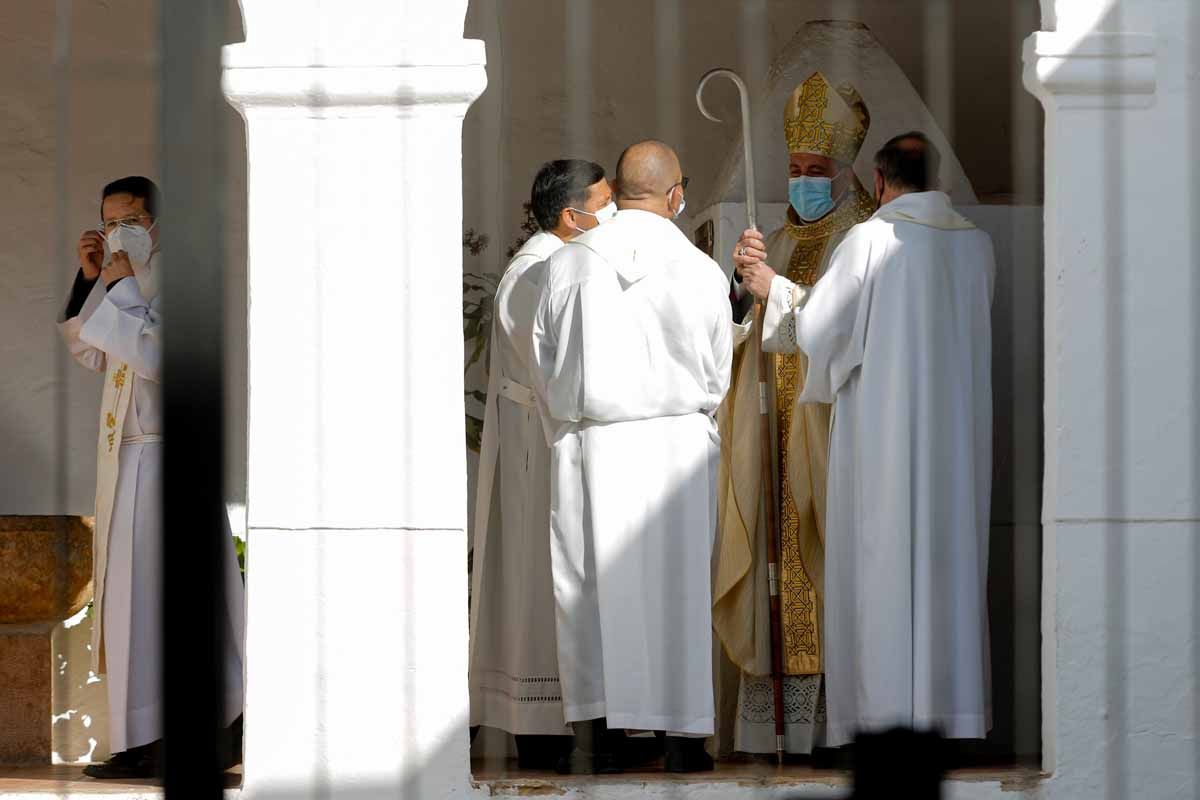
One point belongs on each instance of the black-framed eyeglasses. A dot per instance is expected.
(682, 183)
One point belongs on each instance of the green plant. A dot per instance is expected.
(528, 228)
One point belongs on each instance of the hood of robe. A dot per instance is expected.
(931, 209)
(541, 246)
(634, 241)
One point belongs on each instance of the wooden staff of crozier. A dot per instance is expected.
(765, 398)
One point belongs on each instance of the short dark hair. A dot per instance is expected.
(909, 161)
(142, 188)
(561, 184)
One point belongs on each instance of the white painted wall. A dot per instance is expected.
(634, 70)
(1121, 607)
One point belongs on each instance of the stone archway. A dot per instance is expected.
(326, 552)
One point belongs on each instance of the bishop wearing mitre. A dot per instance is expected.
(825, 126)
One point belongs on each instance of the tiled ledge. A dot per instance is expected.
(755, 779)
(68, 781)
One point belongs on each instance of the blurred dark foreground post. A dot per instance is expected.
(899, 763)
(194, 517)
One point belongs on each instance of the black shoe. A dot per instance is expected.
(637, 752)
(839, 758)
(136, 762)
(686, 754)
(594, 752)
(578, 762)
(541, 752)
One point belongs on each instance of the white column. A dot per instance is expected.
(1121, 544)
(357, 614)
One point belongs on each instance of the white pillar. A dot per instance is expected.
(357, 614)
(1122, 452)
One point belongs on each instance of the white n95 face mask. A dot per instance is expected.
(137, 244)
(607, 213)
(602, 215)
(135, 241)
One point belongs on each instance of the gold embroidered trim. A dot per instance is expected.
(110, 419)
(798, 596)
(826, 120)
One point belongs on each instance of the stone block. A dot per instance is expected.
(45, 568)
(25, 698)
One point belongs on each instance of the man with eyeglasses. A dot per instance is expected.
(631, 349)
(514, 681)
(112, 325)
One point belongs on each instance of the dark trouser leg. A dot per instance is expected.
(686, 754)
(595, 750)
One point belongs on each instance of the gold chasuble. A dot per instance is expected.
(832, 122)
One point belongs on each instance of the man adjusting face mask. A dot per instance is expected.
(136, 242)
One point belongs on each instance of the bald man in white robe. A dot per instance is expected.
(632, 346)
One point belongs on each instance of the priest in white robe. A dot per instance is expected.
(514, 681)
(898, 338)
(632, 350)
(112, 325)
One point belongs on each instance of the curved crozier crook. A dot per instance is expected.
(747, 139)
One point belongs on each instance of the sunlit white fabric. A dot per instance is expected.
(632, 350)
(123, 326)
(514, 659)
(898, 337)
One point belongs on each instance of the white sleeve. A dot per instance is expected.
(779, 320)
(128, 328)
(741, 331)
(831, 326)
(543, 347)
(723, 342)
(88, 356)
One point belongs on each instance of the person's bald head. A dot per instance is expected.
(649, 178)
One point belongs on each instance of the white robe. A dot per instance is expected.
(632, 346)
(514, 658)
(898, 336)
(123, 325)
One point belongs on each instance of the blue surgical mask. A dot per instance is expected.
(811, 197)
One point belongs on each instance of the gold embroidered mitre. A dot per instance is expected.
(826, 120)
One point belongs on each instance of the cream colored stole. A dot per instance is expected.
(118, 388)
